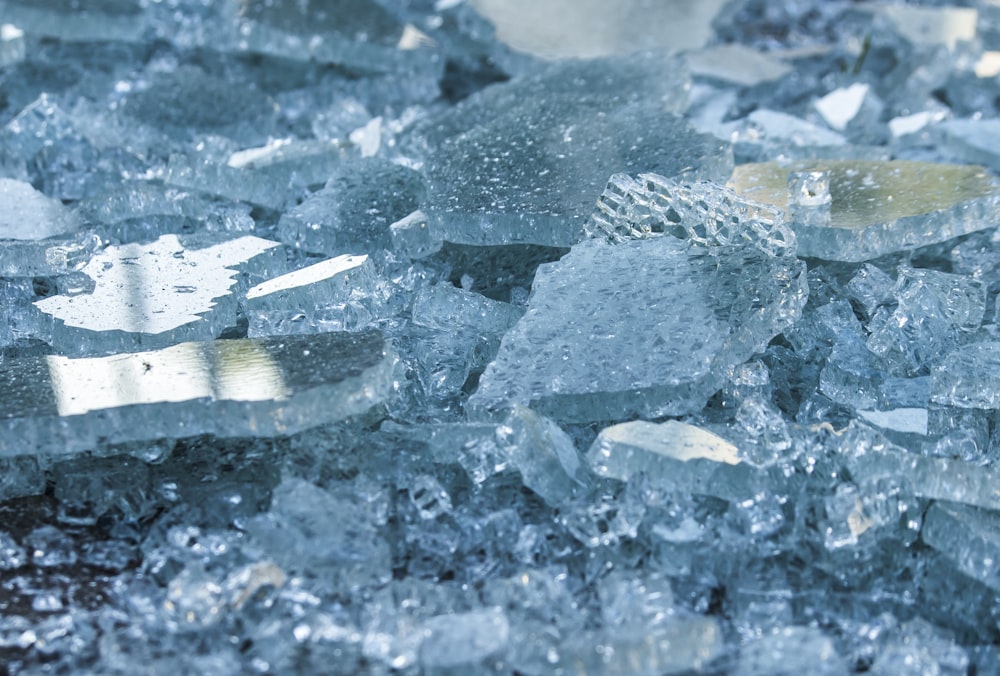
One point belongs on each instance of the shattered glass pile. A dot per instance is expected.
(343, 337)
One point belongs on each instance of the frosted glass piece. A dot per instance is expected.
(26, 214)
(879, 207)
(227, 388)
(672, 321)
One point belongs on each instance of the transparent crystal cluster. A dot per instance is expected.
(347, 337)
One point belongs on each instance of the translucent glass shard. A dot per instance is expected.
(228, 388)
(511, 165)
(355, 210)
(879, 207)
(673, 455)
(667, 324)
(704, 214)
(463, 639)
(736, 64)
(338, 294)
(445, 307)
(968, 377)
(968, 537)
(26, 214)
(152, 289)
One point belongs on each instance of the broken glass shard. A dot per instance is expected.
(673, 455)
(542, 453)
(412, 237)
(972, 140)
(879, 207)
(968, 377)
(968, 536)
(157, 292)
(26, 214)
(445, 307)
(872, 459)
(355, 210)
(228, 388)
(703, 214)
(265, 188)
(524, 161)
(935, 313)
(463, 640)
(338, 294)
(670, 322)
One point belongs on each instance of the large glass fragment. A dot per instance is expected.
(145, 294)
(666, 323)
(970, 537)
(879, 207)
(227, 388)
(524, 161)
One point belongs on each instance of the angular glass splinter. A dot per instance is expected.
(639, 329)
(267, 387)
(878, 207)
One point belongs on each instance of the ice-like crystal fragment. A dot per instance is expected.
(265, 188)
(946, 26)
(704, 214)
(968, 377)
(870, 288)
(533, 176)
(907, 420)
(673, 454)
(852, 374)
(539, 28)
(70, 22)
(338, 294)
(26, 214)
(968, 536)
(228, 388)
(413, 237)
(525, 160)
(445, 307)
(935, 313)
(809, 198)
(682, 646)
(159, 289)
(305, 162)
(871, 459)
(879, 207)
(355, 210)
(643, 328)
(315, 532)
(464, 639)
(543, 454)
(791, 650)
